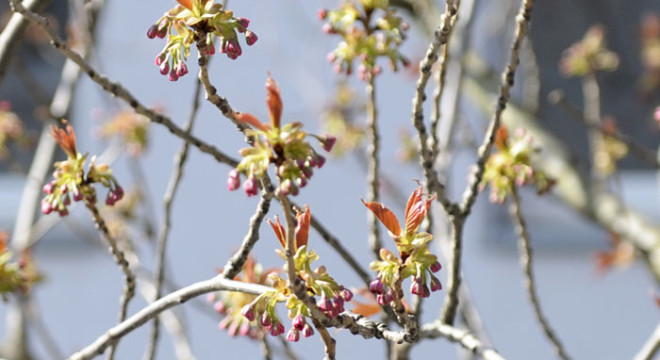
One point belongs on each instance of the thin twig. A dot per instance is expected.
(470, 194)
(373, 168)
(591, 93)
(211, 92)
(287, 348)
(129, 279)
(526, 259)
(119, 91)
(13, 33)
(330, 343)
(557, 97)
(235, 264)
(265, 347)
(425, 67)
(163, 234)
(463, 337)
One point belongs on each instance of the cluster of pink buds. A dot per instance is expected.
(71, 181)
(369, 31)
(329, 296)
(284, 146)
(193, 19)
(414, 260)
(511, 165)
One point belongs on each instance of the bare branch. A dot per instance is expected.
(425, 67)
(373, 168)
(163, 234)
(129, 279)
(651, 346)
(525, 249)
(462, 337)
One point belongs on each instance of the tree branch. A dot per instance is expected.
(525, 249)
(462, 337)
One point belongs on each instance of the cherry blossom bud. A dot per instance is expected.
(244, 329)
(301, 182)
(233, 328)
(224, 323)
(298, 322)
(244, 23)
(164, 68)
(331, 57)
(250, 187)
(436, 266)
(210, 49)
(162, 32)
(265, 320)
(328, 141)
(77, 195)
(277, 329)
(250, 38)
(48, 188)
(307, 331)
(416, 287)
(64, 212)
(248, 311)
(220, 307)
(46, 208)
(376, 286)
(152, 32)
(435, 284)
(119, 192)
(347, 294)
(381, 300)
(173, 75)
(322, 14)
(293, 335)
(109, 200)
(233, 180)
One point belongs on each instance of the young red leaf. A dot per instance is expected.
(302, 228)
(280, 232)
(66, 138)
(249, 119)
(274, 102)
(416, 209)
(186, 3)
(501, 136)
(385, 215)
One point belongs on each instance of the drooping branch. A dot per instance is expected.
(462, 337)
(163, 234)
(524, 246)
(471, 191)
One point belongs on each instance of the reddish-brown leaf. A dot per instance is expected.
(249, 119)
(280, 232)
(66, 138)
(302, 228)
(274, 102)
(416, 209)
(385, 215)
(501, 136)
(186, 3)
(366, 309)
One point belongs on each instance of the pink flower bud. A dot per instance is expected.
(250, 38)
(435, 284)
(162, 33)
(322, 14)
(64, 212)
(77, 195)
(173, 75)
(248, 312)
(250, 187)
(220, 307)
(328, 29)
(307, 331)
(159, 59)
(265, 320)
(298, 322)
(164, 68)
(416, 287)
(293, 335)
(346, 294)
(152, 32)
(436, 266)
(301, 182)
(233, 328)
(48, 188)
(119, 192)
(233, 180)
(224, 323)
(380, 298)
(245, 328)
(109, 200)
(331, 57)
(46, 208)
(277, 329)
(244, 23)
(328, 141)
(376, 286)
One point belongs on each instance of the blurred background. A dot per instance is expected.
(599, 312)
